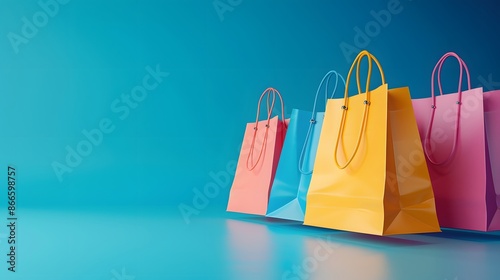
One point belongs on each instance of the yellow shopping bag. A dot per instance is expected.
(370, 174)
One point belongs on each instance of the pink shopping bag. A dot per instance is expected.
(258, 160)
(492, 120)
(454, 129)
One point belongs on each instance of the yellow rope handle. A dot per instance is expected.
(366, 102)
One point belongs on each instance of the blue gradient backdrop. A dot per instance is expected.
(65, 78)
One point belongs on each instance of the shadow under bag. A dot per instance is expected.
(370, 174)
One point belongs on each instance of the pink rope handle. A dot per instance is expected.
(460, 62)
(270, 107)
(427, 140)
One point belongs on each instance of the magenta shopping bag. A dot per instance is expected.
(492, 121)
(461, 147)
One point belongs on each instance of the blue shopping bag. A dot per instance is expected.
(287, 199)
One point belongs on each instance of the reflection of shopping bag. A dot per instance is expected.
(288, 193)
(249, 248)
(334, 260)
(460, 157)
(370, 174)
(258, 159)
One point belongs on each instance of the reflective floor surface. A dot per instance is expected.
(143, 245)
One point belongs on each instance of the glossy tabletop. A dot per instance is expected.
(155, 244)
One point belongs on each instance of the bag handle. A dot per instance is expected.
(366, 102)
(427, 140)
(270, 108)
(460, 62)
(326, 80)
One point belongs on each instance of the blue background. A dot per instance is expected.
(65, 78)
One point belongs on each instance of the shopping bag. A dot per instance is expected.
(370, 174)
(461, 145)
(258, 159)
(492, 119)
(293, 175)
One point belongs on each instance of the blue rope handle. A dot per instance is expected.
(326, 79)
